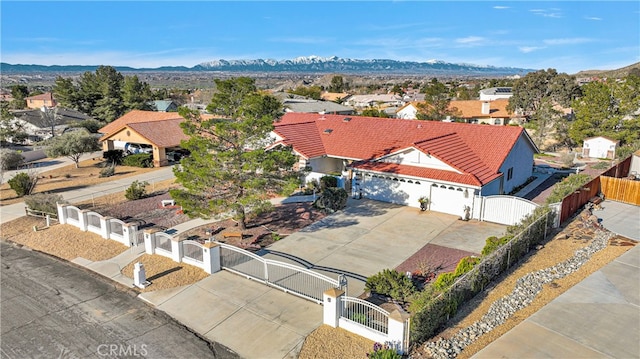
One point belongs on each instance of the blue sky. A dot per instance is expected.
(568, 35)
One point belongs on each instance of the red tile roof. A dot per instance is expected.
(477, 150)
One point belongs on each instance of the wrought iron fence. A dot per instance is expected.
(192, 250)
(163, 242)
(365, 313)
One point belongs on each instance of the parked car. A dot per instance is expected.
(133, 148)
(177, 155)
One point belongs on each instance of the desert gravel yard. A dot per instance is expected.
(61, 240)
(164, 273)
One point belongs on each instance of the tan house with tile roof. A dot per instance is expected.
(42, 100)
(161, 130)
(470, 111)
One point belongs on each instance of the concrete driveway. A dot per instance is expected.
(369, 236)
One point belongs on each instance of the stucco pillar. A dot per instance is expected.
(130, 233)
(150, 240)
(105, 226)
(398, 330)
(211, 257)
(82, 219)
(331, 300)
(62, 213)
(176, 249)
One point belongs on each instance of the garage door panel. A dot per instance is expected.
(446, 200)
(393, 191)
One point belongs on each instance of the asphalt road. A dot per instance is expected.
(53, 309)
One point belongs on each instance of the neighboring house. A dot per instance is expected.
(488, 112)
(38, 126)
(42, 100)
(408, 111)
(164, 106)
(297, 103)
(374, 100)
(315, 106)
(470, 111)
(399, 161)
(599, 147)
(161, 130)
(495, 93)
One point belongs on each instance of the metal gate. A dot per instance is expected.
(290, 278)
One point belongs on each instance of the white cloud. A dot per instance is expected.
(470, 40)
(593, 18)
(501, 7)
(553, 13)
(528, 49)
(567, 41)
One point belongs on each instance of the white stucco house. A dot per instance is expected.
(599, 147)
(400, 161)
(496, 93)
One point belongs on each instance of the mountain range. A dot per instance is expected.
(310, 64)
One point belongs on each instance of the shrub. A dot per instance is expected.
(44, 202)
(567, 186)
(23, 183)
(444, 280)
(138, 160)
(381, 351)
(332, 199)
(10, 159)
(492, 243)
(392, 283)
(113, 156)
(137, 190)
(327, 182)
(108, 171)
(465, 264)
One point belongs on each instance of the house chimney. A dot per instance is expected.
(486, 106)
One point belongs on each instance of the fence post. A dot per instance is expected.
(82, 218)
(62, 213)
(130, 233)
(176, 249)
(211, 257)
(105, 226)
(150, 240)
(331, 300)
(398, 327)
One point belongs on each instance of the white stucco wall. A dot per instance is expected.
(413, 157)
(521, 160)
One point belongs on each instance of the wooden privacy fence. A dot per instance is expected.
(621, 189)
(575, 201)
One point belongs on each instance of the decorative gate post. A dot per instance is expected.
(150, 240)
(62, 213)
(398, 330)
(211, 257)
(331, 301)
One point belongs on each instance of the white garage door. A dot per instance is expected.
(447, 199)
(395, 190)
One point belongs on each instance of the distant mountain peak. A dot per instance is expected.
(308, 64)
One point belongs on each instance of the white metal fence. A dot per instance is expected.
(365, 313)
(290, 278)
(507, 210)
